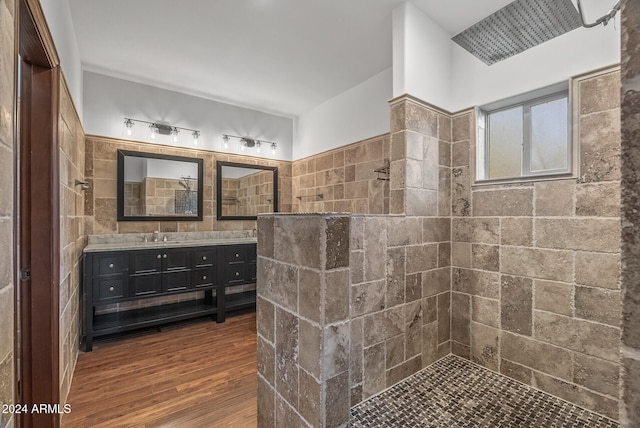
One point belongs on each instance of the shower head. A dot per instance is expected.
(517, 27)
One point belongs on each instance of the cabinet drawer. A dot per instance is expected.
(203, 258)
(236, 254)
(144, 285)
(175, 281)
(235, 273)
(110, 264)
(109, 289)
(202, 278)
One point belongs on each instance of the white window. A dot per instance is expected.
(525, 136)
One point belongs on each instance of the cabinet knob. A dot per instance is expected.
(204, 276)
(110, 265)
(204, 257)
(237, 273)
(164, 256)
(237, 255)
(159, 256)
(111, 288)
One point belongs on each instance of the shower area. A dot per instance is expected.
(455, 304)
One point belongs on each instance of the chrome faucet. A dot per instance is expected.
(255, 232)
(155, 236)
(164, 238)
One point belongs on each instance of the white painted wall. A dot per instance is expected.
(421, 56)
(574, 53)
(108, 100)
(359, 113)
(58, 16)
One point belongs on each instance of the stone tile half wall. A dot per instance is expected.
(535, 266)
(341, 321)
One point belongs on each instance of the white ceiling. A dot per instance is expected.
(279, 56)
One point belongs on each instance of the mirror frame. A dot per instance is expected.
(120, 183)
(219, 165)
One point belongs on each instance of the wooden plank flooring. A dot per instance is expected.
(196, 374)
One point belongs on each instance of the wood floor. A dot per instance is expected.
(199, 374)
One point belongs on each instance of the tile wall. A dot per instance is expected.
(7, 183)
(630, 279)
(343, 180)
(535, 289)
(72, 235)
(101, 172)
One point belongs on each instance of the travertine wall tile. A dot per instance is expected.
(516, 231)
(504, 202)
(485, 311)
(554, 297)
(484, 346)
(597, 375)
(598, 199)
(600, 146)
(600, 305)
(588, 338)
(475, 282)
(554, 198)
(539, 263)
(578, 234)
(540, 356)
(516, 304)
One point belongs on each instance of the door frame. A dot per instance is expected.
(38, 218)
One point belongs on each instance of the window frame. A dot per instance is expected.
(526, 101)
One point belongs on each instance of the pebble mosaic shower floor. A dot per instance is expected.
(455, 393)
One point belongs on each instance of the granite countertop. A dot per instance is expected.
(118, 246)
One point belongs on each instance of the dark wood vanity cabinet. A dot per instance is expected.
(128, 275)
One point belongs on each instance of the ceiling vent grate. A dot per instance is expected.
(517, 27)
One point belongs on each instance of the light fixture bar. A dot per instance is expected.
(249, 142)
(161, 128)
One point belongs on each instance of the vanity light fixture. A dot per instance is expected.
(161, 128)
(249, 142)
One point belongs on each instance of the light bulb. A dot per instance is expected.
(174, 134)
(128, 123)
(242, 144)
(196, 135)
(154, 130)
(258, 146)
(273, 148)
(226, 141)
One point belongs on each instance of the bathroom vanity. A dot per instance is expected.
(114, 273)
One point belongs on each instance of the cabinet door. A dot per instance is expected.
(144, 285)
(175, 260)
(143, 262)
(175, 281)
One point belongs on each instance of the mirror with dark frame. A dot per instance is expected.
(156, 187)
(243, 191)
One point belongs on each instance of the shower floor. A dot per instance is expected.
(455, 393)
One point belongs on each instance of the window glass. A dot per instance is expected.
(505, 147)
(524, 136)
(549, 136)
